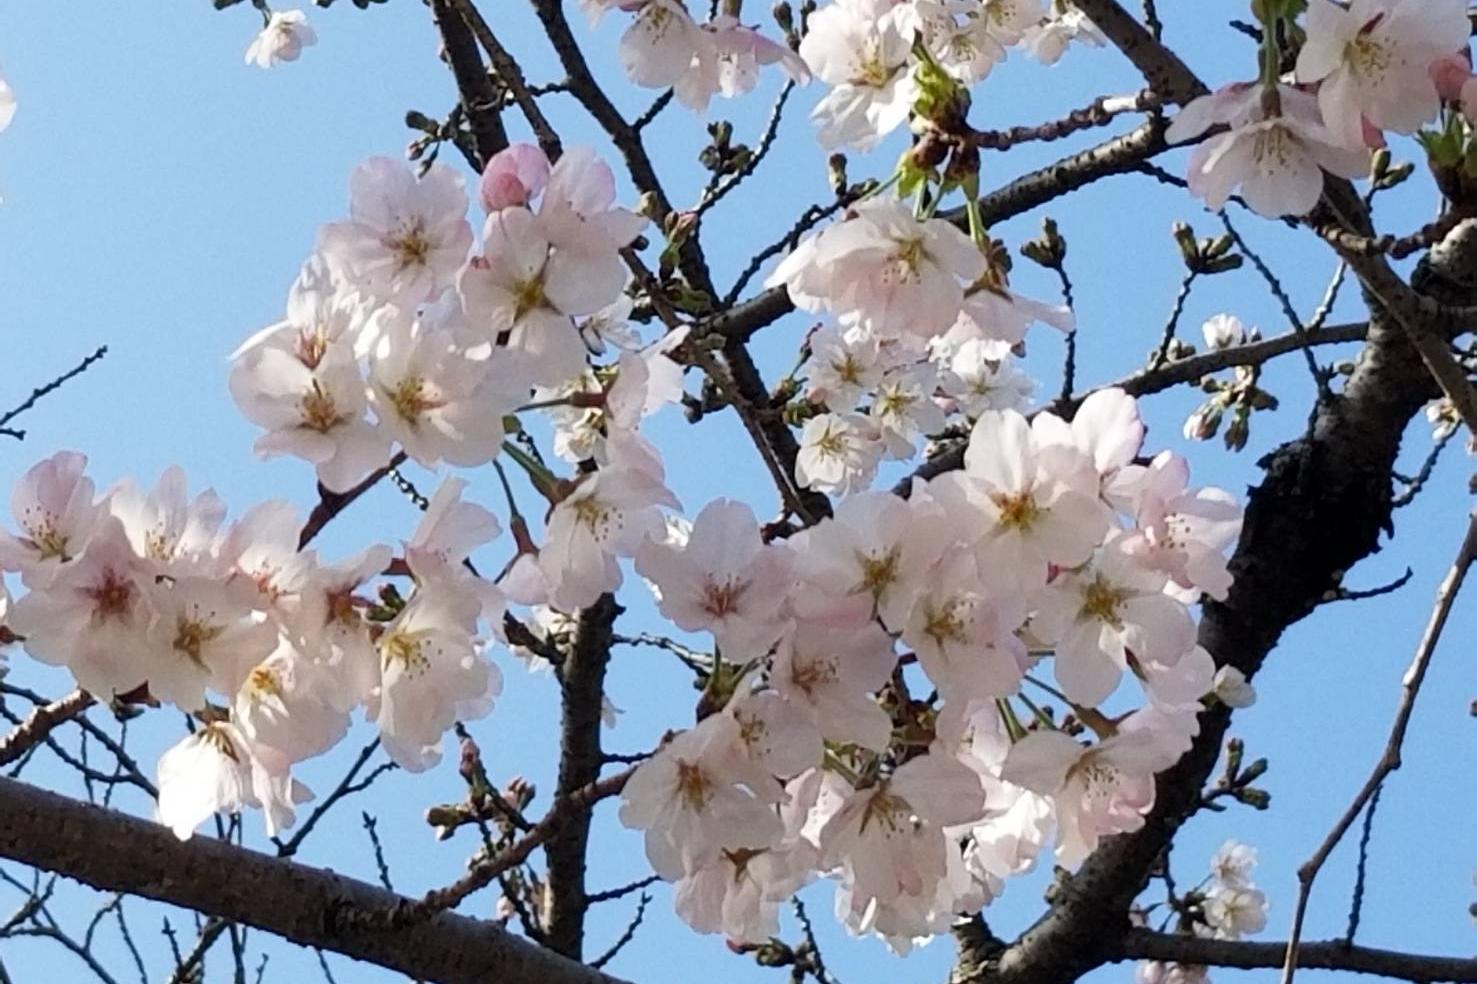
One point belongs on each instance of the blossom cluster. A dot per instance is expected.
(1366, 68)
(1226, 906)
(151, 596)
(819, 761)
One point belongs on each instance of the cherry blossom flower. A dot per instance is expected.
(522, 290)
(724, 580)
(448, 532)
(690, 808)
(996, 314)
(214, 771)
(261, 546)
(876, 547)
(890, 837)
(300, 380)
(53, 504)
(1182, 532)
(861, 49)
(776, 740)
(515, 176)
(1223, 331)
(287, 708)
(329, 624)
(1104, 789)
(844, 366)
(884, 268)
(577, 210)
(830, 664)
(904, 410)
(1232, 864)
(1232, 912)
(839, 453)
(166, 528)
(92, 615)
(979, 380)
(405, 238)
(433, 675)
(958, 37)
(608, 515)
(1067, 25)
(1275, 155)
(727, 60)
(1027, 488)
(203, 636)
(1102, 613)
(1372, 61)
(963, 633)
(283, 39)
(432, 399)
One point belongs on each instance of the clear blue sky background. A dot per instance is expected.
(160, 195)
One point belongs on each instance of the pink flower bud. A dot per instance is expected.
(1450, 73)
(513, 177)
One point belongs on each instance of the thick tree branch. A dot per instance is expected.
(306, 905)
(1330, 955)
(582, 681)
(480, 100)
(1336, 477)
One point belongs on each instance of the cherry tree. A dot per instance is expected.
(984, 619)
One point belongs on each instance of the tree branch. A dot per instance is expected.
(582, 682)
(1390, 759)
(1325, 955)
(306, 905)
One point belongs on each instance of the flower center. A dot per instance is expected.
(112, 598)
(1101, 601)
(318, 410)
(412, 249)
(694, 788)
(723, 599)
(407, 650)
(1017, 512)
(191, 637)
(411, 400)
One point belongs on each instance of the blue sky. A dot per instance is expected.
(160, 195)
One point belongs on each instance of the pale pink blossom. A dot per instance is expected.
(432, 399)
(283, 39)
(515, 176)
(1372, 61)
(885, 269)
(433, 675)
(839, 453)
(831, 665)
(1096, 791)
(214, 771)
(92, 615)
(168, 529)
(405, 238)
(860, 48)
(53, 504)
(608, 515)
(204, 635)
(724, 580)
(690, 808)
(1277, 158)
(1105, 612)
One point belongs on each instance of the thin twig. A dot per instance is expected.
(42, 391)
(1390, 759)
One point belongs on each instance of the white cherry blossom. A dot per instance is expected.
(283, 39)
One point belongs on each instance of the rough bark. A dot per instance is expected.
(582, 682)
(115, 852)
